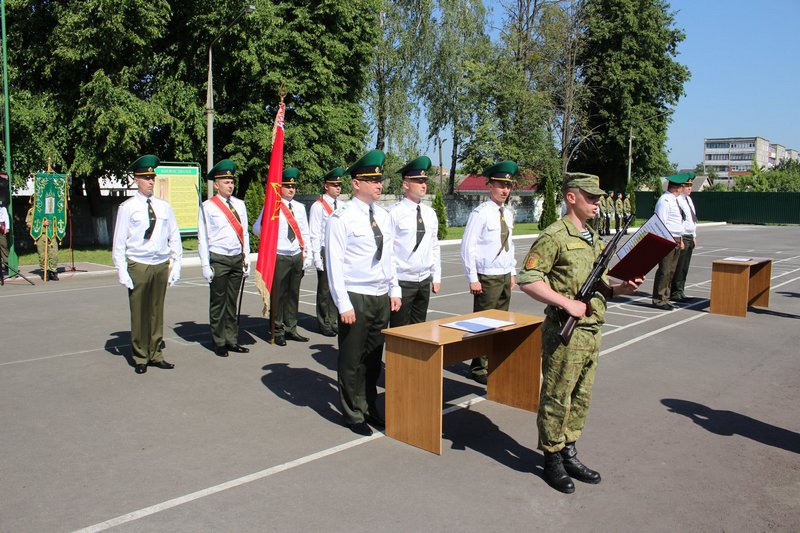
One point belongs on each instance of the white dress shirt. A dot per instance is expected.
(4, 222)
(133, 219)
(426, 261)
(317, 219)
(690, 225)
(481, 249)
(350, 254)
(216, 234)
(669, 212)
(285, 246)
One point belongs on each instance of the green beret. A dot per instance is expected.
(224, 169)
(588, 183)
(680, 179)
(144, 166)
(370, 166)
(290, 176)
(334, 176)
(417, 168)
(502, 171)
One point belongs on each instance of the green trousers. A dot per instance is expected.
(664, 275)
(327, 314)
(224, 298)
(286, 292)
(416, 296)
(147, 310)
(496, 295)
(52, 254)
(360, 354)
(3, 250)
(568, 374)
(682, 268)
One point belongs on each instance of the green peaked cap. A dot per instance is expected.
(680, 179)
(502, 171)
(586, 182)
(416, 168)
(369, 166)
(334, 176)
(145, 165)
(224, 169)
(290, 176)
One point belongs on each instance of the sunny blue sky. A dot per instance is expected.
(744, 57)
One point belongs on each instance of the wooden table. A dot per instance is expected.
(416, 355)
(735, 285)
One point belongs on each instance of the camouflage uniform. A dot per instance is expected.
(626, 208)
(608, 201)
(563, 259)
(618, 207)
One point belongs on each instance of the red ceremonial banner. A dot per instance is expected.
(268, 247)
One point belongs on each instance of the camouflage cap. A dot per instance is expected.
(588, 183)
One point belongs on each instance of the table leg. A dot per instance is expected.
(760, 277)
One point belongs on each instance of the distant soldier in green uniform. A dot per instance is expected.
(626, 208)
(618, 210)
(556, 266)
(600, 219)
(46, 248)
(609, 200)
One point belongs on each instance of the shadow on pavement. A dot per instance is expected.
(305, 388)
(762, 311)
(731, 423)
(120, 345)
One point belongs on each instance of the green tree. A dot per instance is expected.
(441, 214)
(634, 80)
(549, 214)
(254, 201)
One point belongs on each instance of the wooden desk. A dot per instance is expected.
(416, 355)
(735, 285)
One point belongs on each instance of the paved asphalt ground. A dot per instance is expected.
(694, 422)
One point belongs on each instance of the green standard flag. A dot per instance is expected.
(50, 202)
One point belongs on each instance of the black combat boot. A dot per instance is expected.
(575, 468)
(555, 475)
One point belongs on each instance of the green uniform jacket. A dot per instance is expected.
(618, 206)
(626, 206)
(563, 259)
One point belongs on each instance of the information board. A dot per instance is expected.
(178, 185)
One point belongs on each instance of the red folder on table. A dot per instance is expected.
(649, 245)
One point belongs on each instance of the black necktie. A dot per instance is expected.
(420, 228)
(683, 214)
(335, 205)
(230, 206)
(378, 235)
(291, 234)
(691, 208)
(503, 231)
(152, 214)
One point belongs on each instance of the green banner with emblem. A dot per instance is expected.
(50, 202)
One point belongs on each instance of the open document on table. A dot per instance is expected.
(478, 324)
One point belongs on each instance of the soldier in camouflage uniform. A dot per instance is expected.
(609, 201)
(626, 208)
(555, 268)
(618, 209)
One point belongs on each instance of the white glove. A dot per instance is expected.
(246, 271)
(125, 280)
(318, 263)
(307, 263)
(175, 275)
(208, 273)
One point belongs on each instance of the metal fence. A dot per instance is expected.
(735, 207)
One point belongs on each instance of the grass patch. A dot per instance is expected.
(100, 256)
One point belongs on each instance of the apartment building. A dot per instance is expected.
(732, 156)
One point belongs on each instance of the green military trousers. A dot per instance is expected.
(496, 295)
(682, 269)
(663, 280)
(360, 354)
(567, 377)
(327, 314)
(286, 292)
(147, 310)
(223, 299)
(52, 253)
(416, 296)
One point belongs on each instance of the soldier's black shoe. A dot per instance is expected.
(576, 469)
(480, 378)
(53, 276)
(140, 369)
(238, 348)
(328, 333)
(221, 351)
(161, 364)
(664, 306)
(280, 341)
(555, 475)
(295, 337)
(360, 428)
(374, 417)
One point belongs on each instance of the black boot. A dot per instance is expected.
(576, 469)
(555, 475)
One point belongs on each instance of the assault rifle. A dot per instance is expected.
(594, 283)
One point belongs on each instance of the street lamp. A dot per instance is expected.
(630, 142)
(246, 10)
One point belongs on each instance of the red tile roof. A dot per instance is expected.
(478, 183)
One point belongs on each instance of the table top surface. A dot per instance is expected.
(749, 262)
(433, 332)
